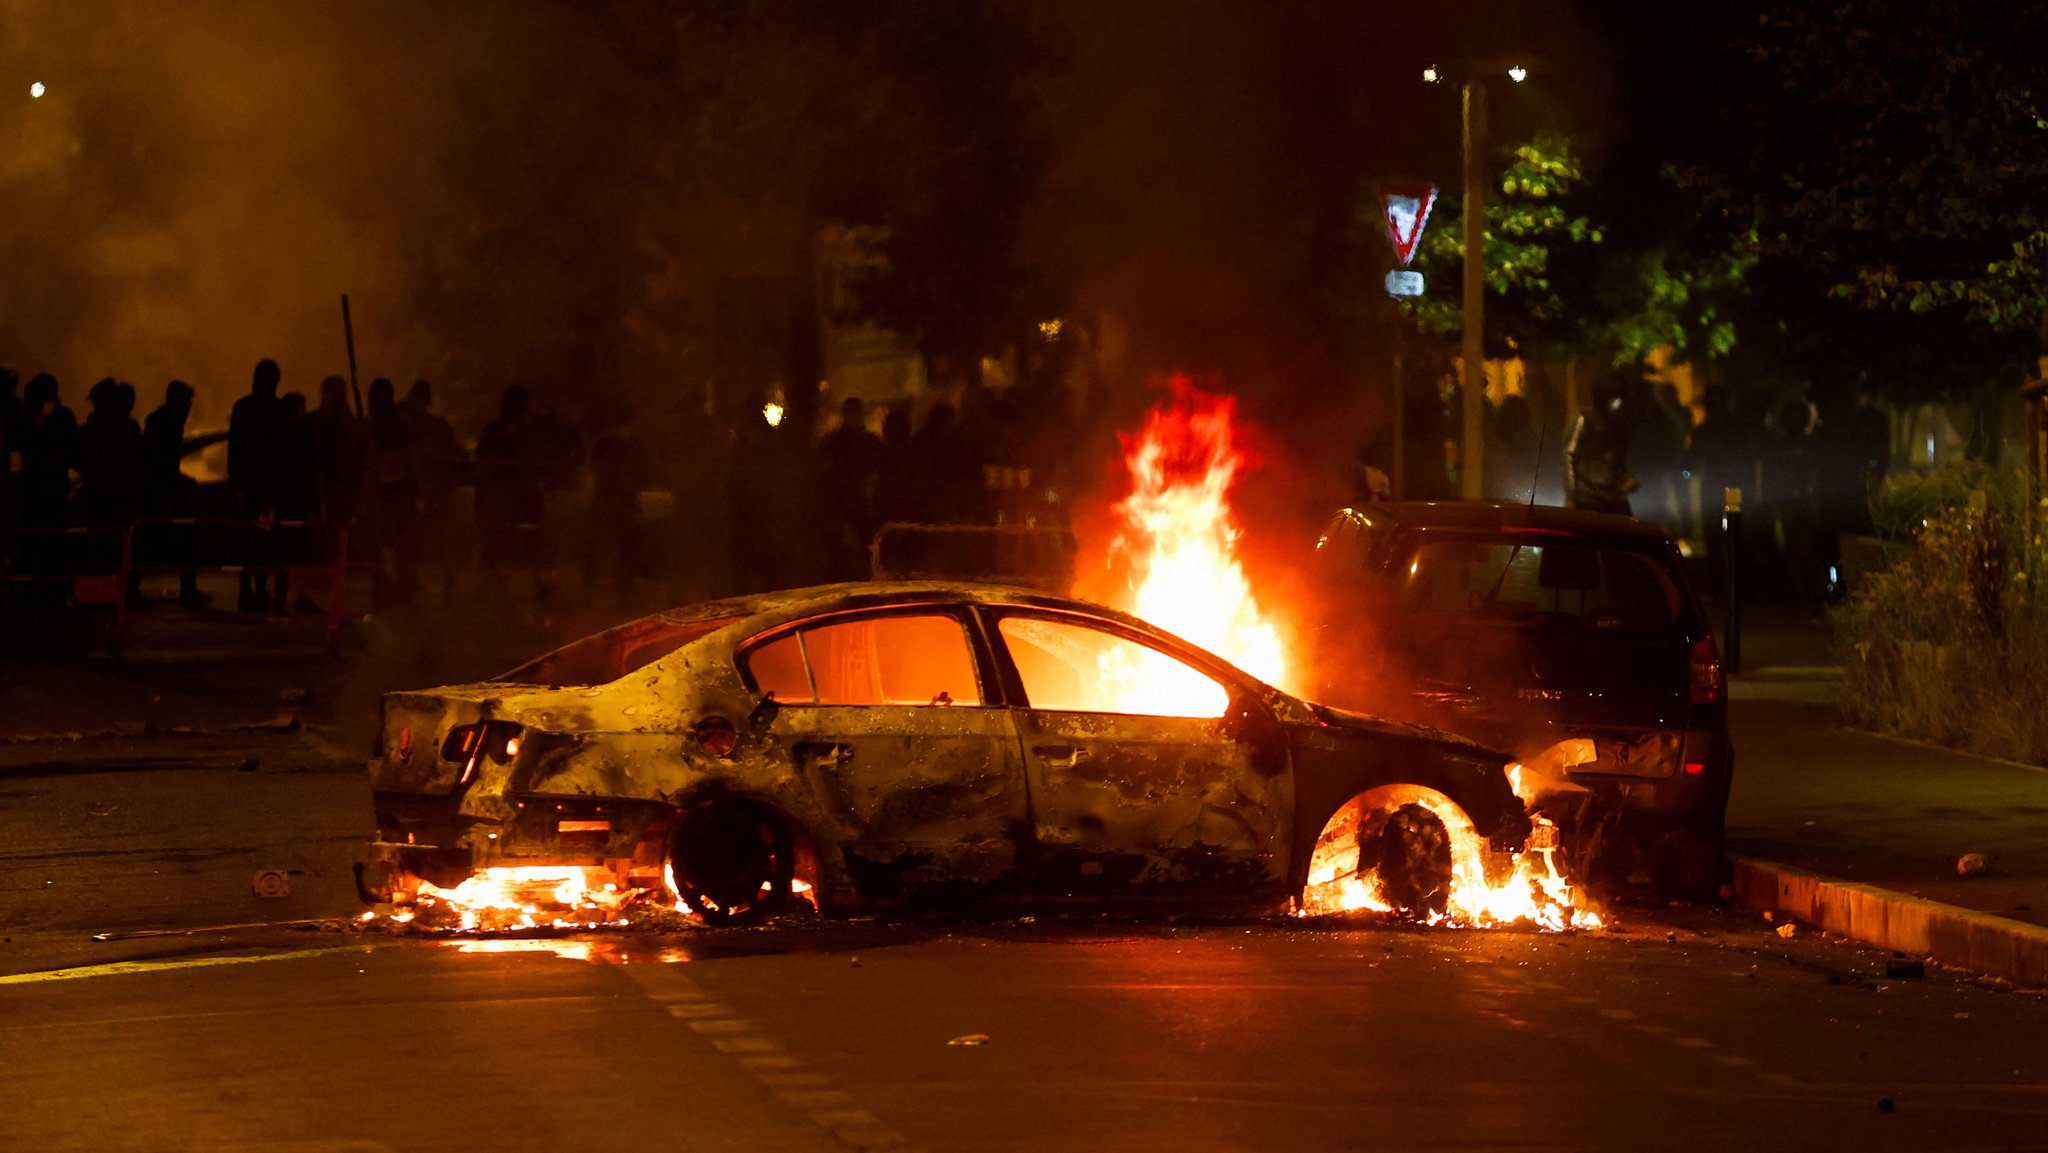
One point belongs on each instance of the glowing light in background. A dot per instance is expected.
(1430, 75)
(36, 90)
(772, 413)
(1518, 74)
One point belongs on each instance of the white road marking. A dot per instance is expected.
(122, 968)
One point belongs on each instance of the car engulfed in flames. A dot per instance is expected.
(896, 745)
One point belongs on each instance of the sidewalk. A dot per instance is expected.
(1873, 811)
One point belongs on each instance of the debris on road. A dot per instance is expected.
(270, 883)
(1788, 930)
(1905, 967)
(1970, 863)
(970, 1039)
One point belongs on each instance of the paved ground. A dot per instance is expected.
(1711, 1034)
(1685, 1029)
(1815, 795)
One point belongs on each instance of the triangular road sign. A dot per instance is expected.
(1407, 213)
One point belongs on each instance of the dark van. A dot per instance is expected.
(1569, 639)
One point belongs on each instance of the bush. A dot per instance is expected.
(1950, 644)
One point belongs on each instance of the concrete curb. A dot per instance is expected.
(1963, 938)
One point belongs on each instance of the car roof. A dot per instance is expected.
(1499, 515)
(791, 603)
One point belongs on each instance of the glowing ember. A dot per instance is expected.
(1177, 528)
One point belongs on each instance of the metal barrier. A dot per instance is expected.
(310, 553)
(1041, 558)
(53, 556)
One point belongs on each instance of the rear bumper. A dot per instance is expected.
(429, 837)
(1682, 798)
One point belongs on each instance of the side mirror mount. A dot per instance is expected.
(764, 713)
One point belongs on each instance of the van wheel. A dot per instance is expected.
(732, 862)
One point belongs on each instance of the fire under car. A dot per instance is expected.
(1569, 638)
(893, 746)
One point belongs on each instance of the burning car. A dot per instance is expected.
(889, 745)
(1570, 638)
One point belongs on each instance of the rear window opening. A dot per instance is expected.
(609, 655)
(1554, 584)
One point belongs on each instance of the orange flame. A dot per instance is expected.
(1176, 525)
(1180, 535)
(528, 897)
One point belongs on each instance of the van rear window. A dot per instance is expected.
(1550, 583)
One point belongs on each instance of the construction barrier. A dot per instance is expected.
(99, 565)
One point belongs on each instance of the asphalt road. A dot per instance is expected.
(1706, 1032)
(1685, 1029)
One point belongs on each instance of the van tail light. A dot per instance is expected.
(1708, 685)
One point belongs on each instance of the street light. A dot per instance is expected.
(36, 90)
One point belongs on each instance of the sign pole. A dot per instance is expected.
(1400, 477)
(1406, 210)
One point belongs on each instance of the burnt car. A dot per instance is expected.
(1570, 638)
(891, 745)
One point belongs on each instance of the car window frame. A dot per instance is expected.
(988, 683)
(1233, 680)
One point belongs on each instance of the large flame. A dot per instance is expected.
(1177, 529)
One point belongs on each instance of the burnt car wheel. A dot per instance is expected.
(1411, 850)
(732, 863)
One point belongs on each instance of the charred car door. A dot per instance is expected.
(885, 716)
(1143, 769)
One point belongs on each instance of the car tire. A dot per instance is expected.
(732, 862)
(1685, 865)
(1411, 851)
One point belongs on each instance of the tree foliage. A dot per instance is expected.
(1534, 220)
(1910, 175)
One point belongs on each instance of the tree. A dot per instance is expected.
(1537, 233)
(1910, 175)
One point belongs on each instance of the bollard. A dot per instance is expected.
(1731, 580)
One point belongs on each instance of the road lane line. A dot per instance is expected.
(722, 1025)
(812, 1094)
(122, 968)
(691, 1011)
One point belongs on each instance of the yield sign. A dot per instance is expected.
(1407, 212)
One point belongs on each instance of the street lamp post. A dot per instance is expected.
(1471, 460)
(1472, 457)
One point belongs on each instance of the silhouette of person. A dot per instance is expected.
(167, 491)
(441, 464)
(254, 458)
(948, 479)
(852, 460)
(619, 472)
(49, 445)
(393, 495)
(896, 487)
(10, 441)
(1596, 458)
(338, 445)
(511, 495)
